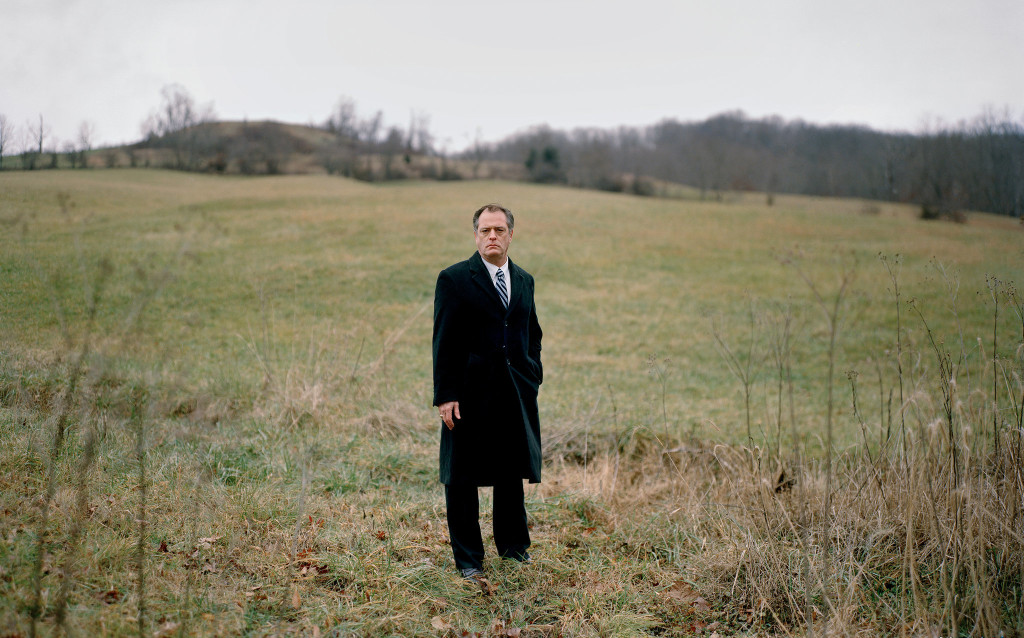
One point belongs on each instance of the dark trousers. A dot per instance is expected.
(511, 534)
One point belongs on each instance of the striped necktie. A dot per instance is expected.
(502, 290)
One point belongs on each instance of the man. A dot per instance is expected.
(487, 371)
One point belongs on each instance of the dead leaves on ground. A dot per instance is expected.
(255, 592)
(308, 565)
(682, 593)
(498, 628)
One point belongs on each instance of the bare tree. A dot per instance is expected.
(179, 124)
(420, 140)
(71, 152)
(479, 153)
(343, 120)
(39, 133)
(362, 148)
(35, 137)
(592, 167)
(371, 129)
(389, 148)
(6, 136)
(86, 133)
(370, 134)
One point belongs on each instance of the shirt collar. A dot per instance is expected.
(492, 269)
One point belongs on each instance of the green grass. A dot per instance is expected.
(281, 328)
(621, 278)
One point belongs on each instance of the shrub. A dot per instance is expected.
(643, 186)
(932, 212)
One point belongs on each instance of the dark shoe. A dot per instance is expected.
(471, 573)
(521, 558)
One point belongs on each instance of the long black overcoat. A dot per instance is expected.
(488, 359)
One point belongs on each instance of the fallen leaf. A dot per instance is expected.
(681, 592)
(296, 601)
(381, 535)
(209, 541)
(111, 596)
(163, 547)
(440, 624)
(165, 629)
(486, 588)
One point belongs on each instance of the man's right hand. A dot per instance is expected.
(449, 412)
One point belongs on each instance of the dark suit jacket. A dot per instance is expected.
(488, 359)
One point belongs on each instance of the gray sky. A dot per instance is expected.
(489, 69)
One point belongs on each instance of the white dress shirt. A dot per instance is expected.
(493, 271)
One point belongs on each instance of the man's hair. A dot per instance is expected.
(493, 208)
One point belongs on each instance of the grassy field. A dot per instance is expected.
(215, 412)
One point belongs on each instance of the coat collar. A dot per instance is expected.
(482, 278)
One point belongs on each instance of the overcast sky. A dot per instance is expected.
(490, 69)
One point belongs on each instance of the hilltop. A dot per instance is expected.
(277, 148)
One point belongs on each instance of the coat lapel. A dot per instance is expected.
(480, 276)
(516, 275)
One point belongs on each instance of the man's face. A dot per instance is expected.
(493, 237)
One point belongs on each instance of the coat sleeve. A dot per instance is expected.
(533, 348)
(450, 353)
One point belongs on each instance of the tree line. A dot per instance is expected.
(351, 145)
(972, 165)
(36, 147)
(185, 135)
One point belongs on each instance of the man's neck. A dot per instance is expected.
(501, 265)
